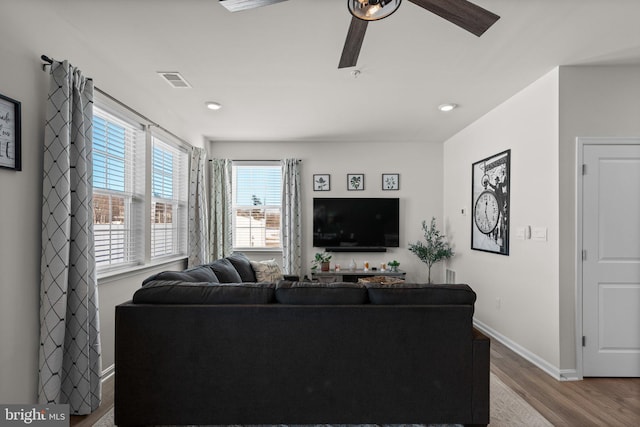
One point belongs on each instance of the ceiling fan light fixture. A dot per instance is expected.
(372, 10)
(447, 107)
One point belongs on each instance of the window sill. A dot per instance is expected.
(119, 274)
(276, 250)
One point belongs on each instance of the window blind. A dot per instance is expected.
(169, 177)
(257, 199)
(118, 191)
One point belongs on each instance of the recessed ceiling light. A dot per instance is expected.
(213, 105)
(446, 107)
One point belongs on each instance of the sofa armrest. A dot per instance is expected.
(480, 398)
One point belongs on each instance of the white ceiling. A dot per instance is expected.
(274, 69)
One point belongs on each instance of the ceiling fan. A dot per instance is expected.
(462, 13)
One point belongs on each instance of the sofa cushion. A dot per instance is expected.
(225, 271)
(196, 274)
(176, 292)
(243, 266)
(267, 271)
(310, 293)
(420, 294)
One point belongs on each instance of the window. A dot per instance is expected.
(139, 192)
(118, 191)
(169, 204)
(257, 199)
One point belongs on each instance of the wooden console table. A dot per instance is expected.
(348, 275)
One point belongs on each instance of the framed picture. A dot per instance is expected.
(490, 204)
(321, 182)
(10, 148)
(390, 181)
(355, 181)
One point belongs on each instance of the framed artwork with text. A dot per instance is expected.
(10, 148)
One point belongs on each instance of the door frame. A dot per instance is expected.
(581, 143)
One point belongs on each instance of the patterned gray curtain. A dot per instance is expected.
(198, 228)
(70, 365)
(291, 228)
(220, 220)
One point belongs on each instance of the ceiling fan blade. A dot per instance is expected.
(353, 43)
(464, 14)
(236, 5)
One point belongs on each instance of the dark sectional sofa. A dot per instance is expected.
(192, 349)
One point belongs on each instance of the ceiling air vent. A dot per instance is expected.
(174, 79)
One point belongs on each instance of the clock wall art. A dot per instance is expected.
(490, 203)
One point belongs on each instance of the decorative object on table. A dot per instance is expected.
(393, 265)
(322, 182)
(366, 266)
(383, 267)
(10, 135)
(353, 265)
(390, 181)
(436, 249)
(322, 260)
(490, 202)
(381, 280)
(355, 181)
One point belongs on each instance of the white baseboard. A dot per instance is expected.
(521, 351)
(108, 372)
(569, 375)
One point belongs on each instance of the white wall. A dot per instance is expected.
(595, 101)
(526, 281)
(29, 32)
(419, 166)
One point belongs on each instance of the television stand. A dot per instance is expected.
(353, 275)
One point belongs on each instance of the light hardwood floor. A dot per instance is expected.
(610, 402)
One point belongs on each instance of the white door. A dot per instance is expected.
(611, 260)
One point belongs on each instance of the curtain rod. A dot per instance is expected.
(48, 61)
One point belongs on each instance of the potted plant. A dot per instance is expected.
(436, 249)
(321, 259)
(393, 265)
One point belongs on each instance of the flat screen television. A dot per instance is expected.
(356, 224)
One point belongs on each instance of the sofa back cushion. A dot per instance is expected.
(421, 294)
(225, 271)
(176, 292)
(313, 293)
(243, 266)
(196, 274)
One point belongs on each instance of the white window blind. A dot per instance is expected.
(257, 199)
(118, 191)
(169, 190)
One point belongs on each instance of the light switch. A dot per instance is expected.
(539, 234)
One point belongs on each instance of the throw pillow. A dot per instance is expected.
(267, 271)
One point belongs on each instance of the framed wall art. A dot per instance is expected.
(321, 182)
(355, 181)
(10, 143)
(490, 203)
(390, 181)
